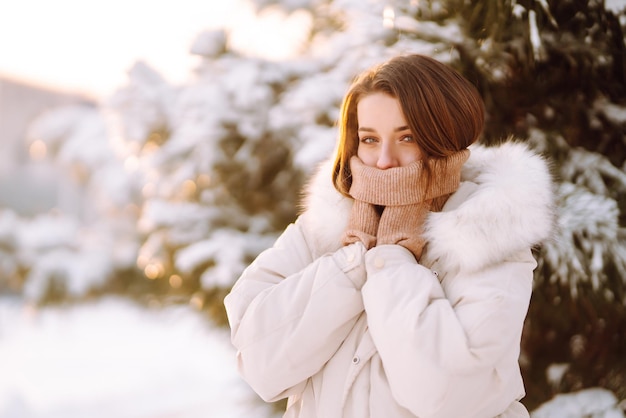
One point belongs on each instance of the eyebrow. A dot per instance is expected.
(398, 129)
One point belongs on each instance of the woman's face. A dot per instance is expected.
(385, 139)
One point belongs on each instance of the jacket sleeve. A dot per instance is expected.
(443, 352)
(289, 313)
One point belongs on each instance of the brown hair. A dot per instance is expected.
(443, 109)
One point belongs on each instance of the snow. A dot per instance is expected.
(209, 43)
(555, 373)
(535, 38)
(80, 269)
(588, 403)
(47, 231)
(228, 249)
(616, 114)
(113, 358)
(429, 30)
(616, 6)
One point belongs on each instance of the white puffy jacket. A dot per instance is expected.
(345, 332)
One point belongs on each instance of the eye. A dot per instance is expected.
(407, 138)
(368, 140)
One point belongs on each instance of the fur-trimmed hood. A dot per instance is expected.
(504, 205)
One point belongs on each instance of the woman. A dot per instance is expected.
(402, 288)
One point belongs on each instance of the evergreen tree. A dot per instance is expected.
(554, 73)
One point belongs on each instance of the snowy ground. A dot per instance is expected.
(113, 358)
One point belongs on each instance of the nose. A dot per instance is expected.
(387, 158)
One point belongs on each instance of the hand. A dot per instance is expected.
(403, 225)
(362, 224)
(364, 217)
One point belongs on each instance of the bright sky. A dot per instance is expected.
(87, 46)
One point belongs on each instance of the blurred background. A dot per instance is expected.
(150, 150)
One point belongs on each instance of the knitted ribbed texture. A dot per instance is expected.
(362, 225)
(409, 184)
(407, 193)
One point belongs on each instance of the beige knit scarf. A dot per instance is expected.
(404, 194)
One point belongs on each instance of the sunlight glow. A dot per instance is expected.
(203, 181)
(88, 48)
(175, 281)
(142, 261)
(154, 270)
(148, 190)
(388, 17)
(150, 146)
(197, 300)
(132, 209)
(156, 138)
(271, 34)
(38, 150)
(188, 188)
(145, 224)
(131, 163)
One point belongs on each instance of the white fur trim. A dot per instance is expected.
(509, 209)
(326, 211)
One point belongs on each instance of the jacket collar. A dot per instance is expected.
(504, 205)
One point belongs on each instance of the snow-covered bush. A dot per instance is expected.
(589, 403)
(552, 72)
(84, 241)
